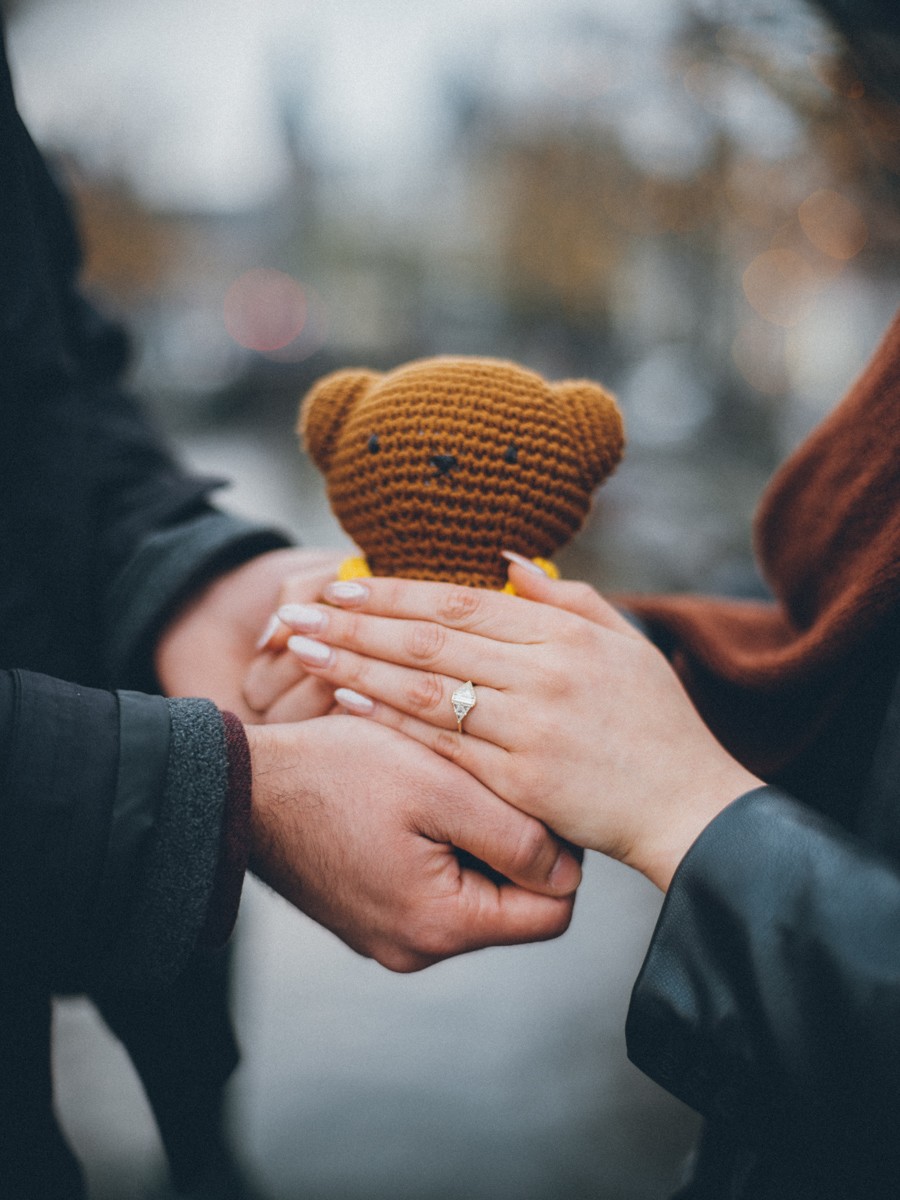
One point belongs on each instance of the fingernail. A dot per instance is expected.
(346, 592)
(302, 616)
(353, 700)
(566, 874)
(268, 632)
(314, 654)
(521, 561)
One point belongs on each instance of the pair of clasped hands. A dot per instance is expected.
(364, 790)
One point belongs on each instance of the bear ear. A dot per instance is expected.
(325, 408)
(596, 418)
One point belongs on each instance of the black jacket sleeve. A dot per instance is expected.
(110, 817)
(770, 997)
(102, 532)
(110, 802)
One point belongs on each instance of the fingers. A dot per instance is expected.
(425, 696)
(481, 914)
(493, 915)
(575, 597)
(316, 569)
(423, 646)
(367, 843)
(519, 847)
(309, 698)
(476, 912)
(477, 753)
(494, 615)
(461, 633)
(271, 675)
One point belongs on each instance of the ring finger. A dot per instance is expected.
(425, 695)
(481, 758)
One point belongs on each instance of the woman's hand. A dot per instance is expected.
(579, 720)
(211, 644)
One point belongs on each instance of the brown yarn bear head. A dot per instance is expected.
(435, 467)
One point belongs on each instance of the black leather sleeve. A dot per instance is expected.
(770, 997)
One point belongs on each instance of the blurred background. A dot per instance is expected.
(692, 201)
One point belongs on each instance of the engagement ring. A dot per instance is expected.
(463, 701)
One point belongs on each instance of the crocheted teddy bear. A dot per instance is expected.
(435, 467)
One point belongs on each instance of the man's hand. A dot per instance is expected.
(357, 826)
(209, 645)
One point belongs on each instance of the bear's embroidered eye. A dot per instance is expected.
(374, 444)
(511, 454)
(443, 463)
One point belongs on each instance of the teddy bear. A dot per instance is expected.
(437, 466)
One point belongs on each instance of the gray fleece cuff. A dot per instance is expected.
(180, 866)
(167, 566)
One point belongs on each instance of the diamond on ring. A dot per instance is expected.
(463, 701)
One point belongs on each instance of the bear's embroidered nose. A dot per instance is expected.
(443, 463)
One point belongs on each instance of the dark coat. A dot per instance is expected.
(102, 534)
(770, 997)
(111, 802)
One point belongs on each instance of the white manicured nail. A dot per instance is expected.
(353, 700)
(314, 654)
(522, 561)
(302, 616)
(344, 592)
(268, 632)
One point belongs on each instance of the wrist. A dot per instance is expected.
(279, 761)
(666, 845)
(262, 742)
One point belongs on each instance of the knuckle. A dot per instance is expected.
(449, 744)
(580, 593)
(296, 588)
(253, 697)
(414, 941)
(400, 960)
(425, 693)
(351, 628)
(529, 848)
(555, 682)
(355, 673)
(554, 729)
(432, 941)
(460, 604)
(425, 641)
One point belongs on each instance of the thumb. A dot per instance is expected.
(509, 915)
(517, 846)
(579, 598)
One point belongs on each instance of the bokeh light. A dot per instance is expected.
(833, 224)
(311, 337)
(781, 286)
(265, 310)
